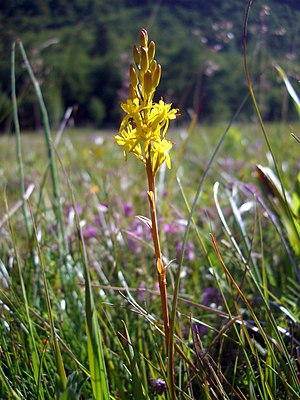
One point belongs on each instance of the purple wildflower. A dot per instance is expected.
(169, 228)
(211, 295)
(158, 386)
(128, 209)
(138, 232)
(78, 208)
(90, 232)
(199, 329)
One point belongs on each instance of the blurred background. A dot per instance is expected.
(80, 52)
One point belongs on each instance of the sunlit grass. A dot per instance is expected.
(120, 259)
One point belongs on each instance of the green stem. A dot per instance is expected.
(48, 139)
(18, 136)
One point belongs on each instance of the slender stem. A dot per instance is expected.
(161, 275)
(56, 192)
(152, 200)
(18, 136)
(161, 271)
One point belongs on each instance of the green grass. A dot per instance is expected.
(80, 309)
(237, 325)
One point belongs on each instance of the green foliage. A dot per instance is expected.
(97, 110)
(222, 327)
(77, 52)
(290, 89)
(284, 204)
(81, 318)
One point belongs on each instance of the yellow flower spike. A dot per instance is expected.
(145, 124)
(142, 132)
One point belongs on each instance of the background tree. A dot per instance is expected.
(80, 51)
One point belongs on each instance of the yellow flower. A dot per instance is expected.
(128, 139)
(161, 154)
(131, 107)
(145, 124)
(160, 115)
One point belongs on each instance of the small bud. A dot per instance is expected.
(136, 56)
(148, 82)
(158, 386)
(156, 76)
(132, 91)
(159, 266)
(151, 51)
(153, 66)
(144, 60)
(133, 76)
(144, 38)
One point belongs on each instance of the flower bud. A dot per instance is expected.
(151, 51)
(136, 56)
(144, 38)
(133, 76)
(144, 60)
(156, 76)
(153, 66)
(132, 92)
(148, 82)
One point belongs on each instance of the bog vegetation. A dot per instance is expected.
(132, 280)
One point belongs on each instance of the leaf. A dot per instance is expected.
(96, 359)
(137, 386)
(145, 220)
(296, 198)
(271, 183)
(289, 88)
(94, 344)
(285, 206)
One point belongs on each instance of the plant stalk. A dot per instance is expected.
(161, 275)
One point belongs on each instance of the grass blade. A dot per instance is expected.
(18, 136)
(48, 139)
(289, 88)
(58, 357)
(96, 359)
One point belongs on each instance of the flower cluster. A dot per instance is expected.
(144, 127)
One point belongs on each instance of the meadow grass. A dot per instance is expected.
(81, 309)
(237, 329)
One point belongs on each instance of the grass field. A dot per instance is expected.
(129, 280)
(80, 307)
